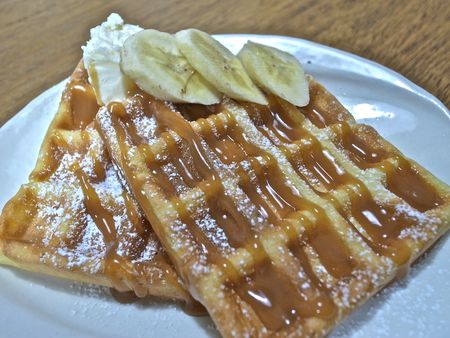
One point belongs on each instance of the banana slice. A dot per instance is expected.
(152, 59)
(276, 72)
(218, 65)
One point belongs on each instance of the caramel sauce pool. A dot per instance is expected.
(83, 104)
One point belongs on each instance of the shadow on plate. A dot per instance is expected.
(104, 294)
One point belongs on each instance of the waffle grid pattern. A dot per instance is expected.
(74, 219)
(266, 214)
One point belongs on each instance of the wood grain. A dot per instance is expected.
(41, 39)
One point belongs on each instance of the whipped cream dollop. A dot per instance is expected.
(101, 57)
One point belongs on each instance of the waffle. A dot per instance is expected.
(280, 220)
(74, 219)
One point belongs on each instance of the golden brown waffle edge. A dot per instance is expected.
(74, 219)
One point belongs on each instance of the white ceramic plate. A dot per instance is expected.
(32, 305)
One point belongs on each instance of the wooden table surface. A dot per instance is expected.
(41, 39)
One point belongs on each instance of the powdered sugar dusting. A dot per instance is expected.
(371, 270)
(71, 236)
(395, 308)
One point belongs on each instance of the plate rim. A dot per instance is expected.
(377, 68)
(394, 77)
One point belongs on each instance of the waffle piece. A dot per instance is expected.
(74, 219)
(280, 220)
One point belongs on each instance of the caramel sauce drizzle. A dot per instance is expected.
(168, 119)
(322, 115)
(321, 164)
(104, 221)
(221, 206)
(251, 190)
(270, 293)
(332, 251)
(405, 182)
(360, 152)
(272, 117)
(122, 274)
(272, 189)
(315, 299)
(81, 111)
(142, 226)
(313, 303)
(314, 114)
(99, 171)
(227, 140)
(265, 292)
(124, 127)
(127, 297)
(236, 227)
(118, 113)
(121, 126)
(83, 108)
(213, 256)
(101, 216)
(261, 288)
(167, 187)
(187, 170)
(120, 122)
(83, 104)
(382, 223)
